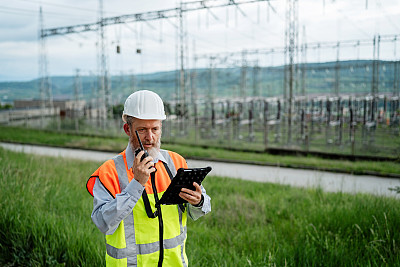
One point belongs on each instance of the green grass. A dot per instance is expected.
(117, 144)
(45, 212)
(272, 225)
(45, 221)
(52, 138)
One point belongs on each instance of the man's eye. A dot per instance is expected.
(141, 131)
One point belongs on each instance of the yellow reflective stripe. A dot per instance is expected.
(125, 234)
(149, 248)
(130, 240)
(183, 228)
(183, 256)
(168, 244)
(122, 244)
(116, 253)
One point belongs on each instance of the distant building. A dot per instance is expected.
(61, 104)
(66, 107)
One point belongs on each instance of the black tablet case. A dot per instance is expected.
(184, 178)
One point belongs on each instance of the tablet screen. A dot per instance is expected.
(184, 178)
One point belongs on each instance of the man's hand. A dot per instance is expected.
(193, 197)
(143, 169)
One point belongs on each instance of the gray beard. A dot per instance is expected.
(153, 151)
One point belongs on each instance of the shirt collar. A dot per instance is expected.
(130, 157)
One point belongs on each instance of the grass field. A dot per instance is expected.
(45, 221)
(32, 136)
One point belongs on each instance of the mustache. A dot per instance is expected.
(148, 143)
(135, 143)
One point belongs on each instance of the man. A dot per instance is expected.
(124, 200)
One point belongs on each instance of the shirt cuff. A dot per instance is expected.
(200, 204)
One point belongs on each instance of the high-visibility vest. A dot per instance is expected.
(136, 241)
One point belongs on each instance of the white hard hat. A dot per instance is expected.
(145, 105)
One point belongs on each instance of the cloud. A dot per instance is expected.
(220, 30)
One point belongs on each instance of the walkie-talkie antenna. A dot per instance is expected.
(145, 154)
(140, 142)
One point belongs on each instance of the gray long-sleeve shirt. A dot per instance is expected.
(108, 212)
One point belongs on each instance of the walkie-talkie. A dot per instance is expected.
(140, 148)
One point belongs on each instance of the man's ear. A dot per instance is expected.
(127, 129)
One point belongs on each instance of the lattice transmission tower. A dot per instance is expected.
(46, 96)
(291, 38)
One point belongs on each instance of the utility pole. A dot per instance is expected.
(337, 70)
(243, 76)
(256, 80)
(46, 95)
(304, 62)
(77, 90)
(290, 39)
(211, 90)
(396, 79)
(375, 67)
(193, 75)
(182, 76)
(93, 90)
(194, 95)
(104, 92)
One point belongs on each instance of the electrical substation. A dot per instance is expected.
(338, 97)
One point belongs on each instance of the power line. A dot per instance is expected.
(354, 24)
(15, 13)
(93, 11)
(58, 5)
(237, 31)
(255, 23)
(146, 16)
(387, 17)
(32, 12)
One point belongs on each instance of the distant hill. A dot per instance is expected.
(318, 78)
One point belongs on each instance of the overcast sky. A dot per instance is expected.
(218, 30)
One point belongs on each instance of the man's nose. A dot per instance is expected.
(148, 136)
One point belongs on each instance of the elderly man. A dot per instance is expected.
(124, 199)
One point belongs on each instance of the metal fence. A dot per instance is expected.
(347, 125)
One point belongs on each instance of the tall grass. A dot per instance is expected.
(45, 212)
(256, 224)
(45, 221)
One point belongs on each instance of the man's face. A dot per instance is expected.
(149, 133)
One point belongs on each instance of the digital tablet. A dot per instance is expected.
(184, 178)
